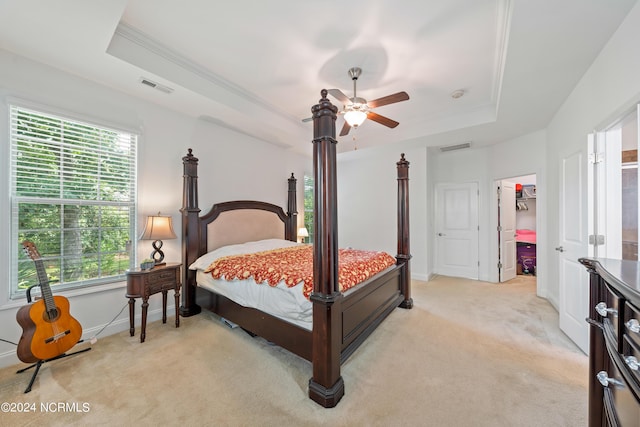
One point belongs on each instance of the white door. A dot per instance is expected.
(507, 230)
(573, 244)
(457, 230)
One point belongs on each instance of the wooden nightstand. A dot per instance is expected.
(144, 283)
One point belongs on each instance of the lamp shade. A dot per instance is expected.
(355, 117)
(158, 227)
(302, 232)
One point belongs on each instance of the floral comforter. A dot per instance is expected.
(293, 265)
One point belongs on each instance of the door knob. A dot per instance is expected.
(560, 249)
(441, 234)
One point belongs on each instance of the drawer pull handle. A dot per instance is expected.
(603, 310)
(604, 379)
(633, 325)
(631, 362)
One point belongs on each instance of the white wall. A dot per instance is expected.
(521, 156)
(367, 191)
(526, 218)
(229, 165)
(367, 202)
(608, 89)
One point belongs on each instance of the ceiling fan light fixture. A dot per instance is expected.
(356, 110)
(355, 117)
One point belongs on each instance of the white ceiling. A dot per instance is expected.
(258, 66)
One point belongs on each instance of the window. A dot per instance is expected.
(308, 207)
(73, 194)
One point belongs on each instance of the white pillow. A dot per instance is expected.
(242, 248)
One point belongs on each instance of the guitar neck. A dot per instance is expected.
(43, 281)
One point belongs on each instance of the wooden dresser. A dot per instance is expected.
(614, 342)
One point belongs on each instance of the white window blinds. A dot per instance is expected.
(73, 194)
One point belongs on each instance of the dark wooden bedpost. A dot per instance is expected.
(291, 232)
(326, 387)
(404, 253)
(190, 234)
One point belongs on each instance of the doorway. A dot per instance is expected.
(517, 228)
(611, 230)
(613, 187)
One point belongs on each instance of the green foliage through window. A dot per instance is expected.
(73, 195)
(308, 207)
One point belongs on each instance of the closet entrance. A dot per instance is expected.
(517, 239)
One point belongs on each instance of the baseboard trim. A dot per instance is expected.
(10, 358)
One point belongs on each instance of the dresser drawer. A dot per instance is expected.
(621, 407)
(610, 308)
(162, 280)
(143, 283)
(631, 358)
(631, 326)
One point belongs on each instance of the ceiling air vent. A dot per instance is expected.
(456, 147)
(158, 86)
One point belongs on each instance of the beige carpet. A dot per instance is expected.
(468, 354)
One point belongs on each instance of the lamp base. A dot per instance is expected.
(157, 255)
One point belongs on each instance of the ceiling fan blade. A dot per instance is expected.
(339, 95)
(390, 99)
(345, 129)
(382, 119)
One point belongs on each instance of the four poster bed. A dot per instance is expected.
(328, 324)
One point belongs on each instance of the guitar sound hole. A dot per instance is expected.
(51, 315)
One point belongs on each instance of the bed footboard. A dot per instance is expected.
(366, 307)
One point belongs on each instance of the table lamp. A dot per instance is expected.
(302, 233)
(158, 227)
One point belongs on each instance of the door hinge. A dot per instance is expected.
(596, 158)
(596, 240)
(499, 228)
(499, 265)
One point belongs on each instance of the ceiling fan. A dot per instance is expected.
(356, 109)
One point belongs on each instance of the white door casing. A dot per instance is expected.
(457, 235)
(573, 244)
(507, 230)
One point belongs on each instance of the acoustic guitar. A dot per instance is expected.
(48, 330)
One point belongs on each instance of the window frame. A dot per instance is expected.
(308, 203)
(128, 205)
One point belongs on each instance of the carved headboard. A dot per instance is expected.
(242, 221)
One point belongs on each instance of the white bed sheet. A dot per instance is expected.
(280, 301)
